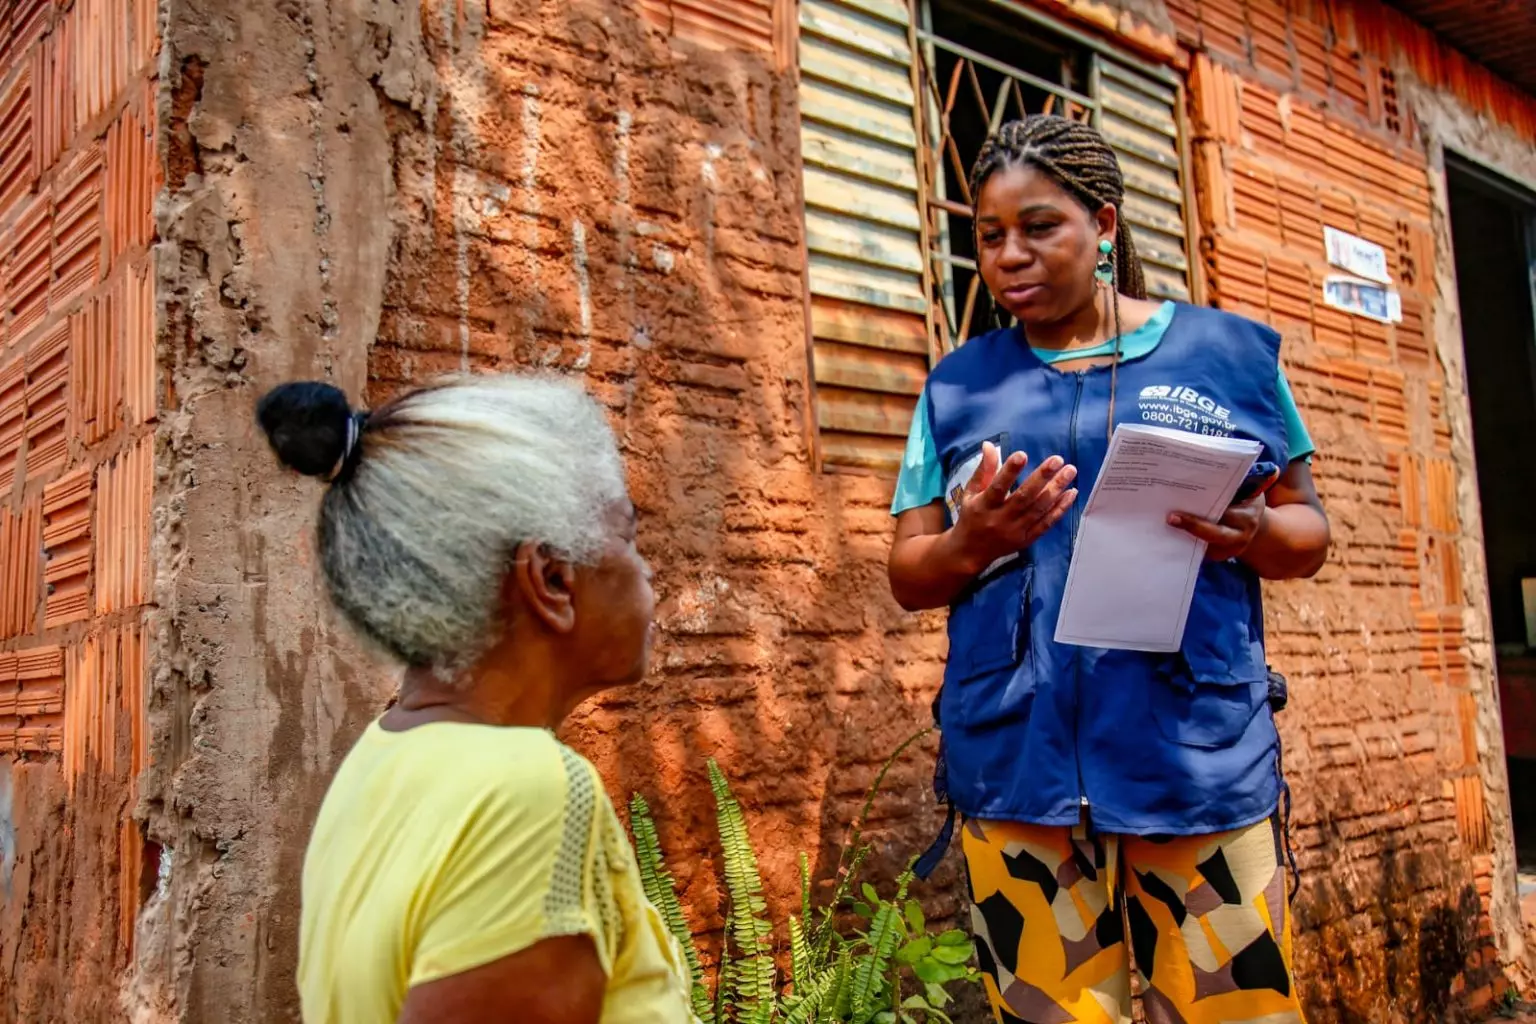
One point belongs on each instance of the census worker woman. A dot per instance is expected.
(1114, 803)
(467, 867)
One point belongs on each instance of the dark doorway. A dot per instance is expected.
(1493, 224)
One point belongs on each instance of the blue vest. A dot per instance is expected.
(1039, 732)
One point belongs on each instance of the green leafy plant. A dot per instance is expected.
(860, 959)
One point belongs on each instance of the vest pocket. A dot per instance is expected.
(1207, 695)
(990, 628)
(988, 639)
(1209, 715)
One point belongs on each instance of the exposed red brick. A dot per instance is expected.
(84, 739)
(1348, 77)
(123, 491)
(96, 384)
(1413, 348)
(77, 220)
(724, 24)
(1466, 714)
(135, 327)
(40, 696)
(13, 412)
(1441, 475)
(1332, 329)
(21, 541)
(1214, 92)
(105, 705)
(1411, 487)
(1339, 209)
(28, 20)
(1310, 39)
(18, 164)
(1301, 217)
(1239, 279)
(1261, 118)
(1437, 417)
(1255, 201)
(101, 54)
(133, 678)
(1451, 590)
(1372, 339)
(130, 182)
(1471, 813)
(48, 404)
(145, 36)
(53, 94)
(1290, 289)
(1186, 20)
(67, 549)
(27, 266)
(1213, 191)
(1224, 27)
(1271, 38)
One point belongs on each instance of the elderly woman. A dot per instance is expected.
(466, 866)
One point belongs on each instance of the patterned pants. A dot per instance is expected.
(1207, 920)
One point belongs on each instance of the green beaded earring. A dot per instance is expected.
(1105, 270)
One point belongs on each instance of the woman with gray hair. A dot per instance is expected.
(466, 866)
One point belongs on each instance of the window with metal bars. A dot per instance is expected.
(896, 98)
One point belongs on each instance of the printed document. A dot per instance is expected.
(1132, 575)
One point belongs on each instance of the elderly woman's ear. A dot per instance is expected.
(539, 584)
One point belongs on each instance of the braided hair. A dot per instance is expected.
(1076, 157)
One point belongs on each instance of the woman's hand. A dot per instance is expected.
(993, 523)
(931, 565)
(1231, 535)
(1281, 533)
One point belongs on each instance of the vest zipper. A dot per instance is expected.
(1077, 664)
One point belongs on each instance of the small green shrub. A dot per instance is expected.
(889, 968)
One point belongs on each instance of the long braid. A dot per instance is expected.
(1075, 156)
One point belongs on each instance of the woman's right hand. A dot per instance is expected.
(993, 522)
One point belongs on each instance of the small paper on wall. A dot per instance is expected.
(1363, 298)
(1356, 255)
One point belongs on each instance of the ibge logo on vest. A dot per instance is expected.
(1184, 408)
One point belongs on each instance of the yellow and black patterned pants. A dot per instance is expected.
(1206, 918)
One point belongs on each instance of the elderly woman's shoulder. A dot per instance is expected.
(524, 766)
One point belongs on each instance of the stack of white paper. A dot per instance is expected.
(1132, 575)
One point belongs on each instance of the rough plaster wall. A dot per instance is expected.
(1447, 123)
(582, 193)
(276, 241)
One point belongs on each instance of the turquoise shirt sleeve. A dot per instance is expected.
(921, 480)
(1297, 440)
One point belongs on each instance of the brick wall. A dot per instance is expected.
(77, 400)
(610, 189)
(1299, 123)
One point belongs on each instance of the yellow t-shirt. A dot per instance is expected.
(449, 846)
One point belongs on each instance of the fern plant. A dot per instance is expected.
(888, 969)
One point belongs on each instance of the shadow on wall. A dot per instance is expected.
(597, 200)
(1435, 950)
